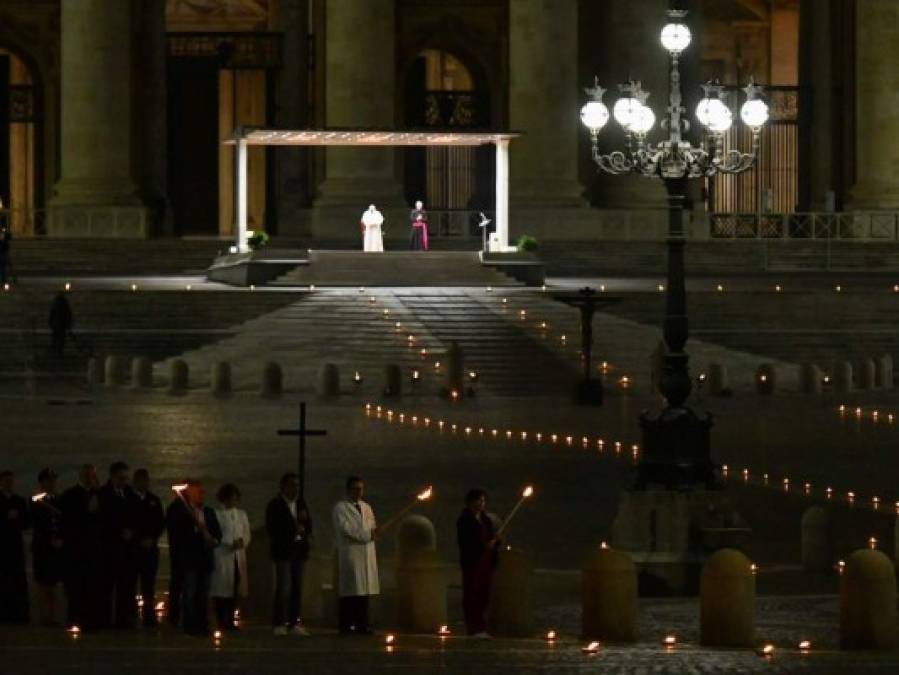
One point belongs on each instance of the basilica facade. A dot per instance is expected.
(114, 113)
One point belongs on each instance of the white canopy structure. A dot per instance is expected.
(247, 136)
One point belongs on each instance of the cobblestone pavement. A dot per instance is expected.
(782, 621)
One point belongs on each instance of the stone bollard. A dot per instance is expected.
(810, 379)
(220, 378)
(393, 380)
(94, 372)
(328, 384)
(455, 370)
(609, 597)
(141, 373)
(867, 375)
(868, 602)
(883, 376)
(420, 578)
(272, 380)
(718, 379)
(817, 541)
(179, 376)
(765, 379)
(842, 377)
(727, 600)
(509, 614)
(114, 375)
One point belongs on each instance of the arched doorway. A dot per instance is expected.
(443, 92)
(20, 140)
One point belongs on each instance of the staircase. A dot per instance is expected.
(394, 268)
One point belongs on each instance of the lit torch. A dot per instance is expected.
(525, 494)
(422, 496)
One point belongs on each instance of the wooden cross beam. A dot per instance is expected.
(302, 432)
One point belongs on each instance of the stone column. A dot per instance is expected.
(153, 133)
(359, 93)
(544, 100)
(96, 195)
(293, 163)
(877, 115)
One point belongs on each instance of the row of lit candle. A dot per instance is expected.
(860, 413)
(875, 503)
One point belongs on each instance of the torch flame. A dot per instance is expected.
(424, 496)
(528, 491)
(39, 497)
(179, 488)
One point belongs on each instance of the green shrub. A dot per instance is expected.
(258, 240)
(527, 243)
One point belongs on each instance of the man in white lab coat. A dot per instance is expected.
(355, 531)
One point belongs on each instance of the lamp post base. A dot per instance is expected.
(676, 451)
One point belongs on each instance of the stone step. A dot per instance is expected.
(394, 268)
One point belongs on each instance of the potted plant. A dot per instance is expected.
(257, 240)
(527, 243)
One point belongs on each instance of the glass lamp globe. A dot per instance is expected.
(643, 121)
(754, 113)
(676, 37)
(711, 109)
(626, 111)
(720, 118)
(595, 115)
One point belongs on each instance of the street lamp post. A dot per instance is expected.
(676, 447)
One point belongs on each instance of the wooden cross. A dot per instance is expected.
(302, 432)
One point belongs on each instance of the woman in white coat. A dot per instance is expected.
(372, 237)
(229, 578)
(355, 531)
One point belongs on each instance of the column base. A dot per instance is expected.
(98, 222)
(669, 534)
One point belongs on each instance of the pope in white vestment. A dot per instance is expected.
(372, 238)
(355, 531)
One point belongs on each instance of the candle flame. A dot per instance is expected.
(39, 497)
(528, 491)
(591, 648)
(444, 631)
(670, 640)
(805, 645)
(768, 649)
(426, 494)
(551, 635)
(74, 631)
(389, 639)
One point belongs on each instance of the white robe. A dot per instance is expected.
(357, 561)
(235, 525)
(372, 240)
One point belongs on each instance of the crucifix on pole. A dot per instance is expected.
(302, 432)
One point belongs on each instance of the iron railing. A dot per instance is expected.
(855, 226)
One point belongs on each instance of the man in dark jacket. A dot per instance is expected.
(477, 557)
(48, 554)
(119, 547)
(149, 523)
(60, 322)
(14, 520)
(289, 529)
(82, 525)
(193, 532)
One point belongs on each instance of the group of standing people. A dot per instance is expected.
(101, 544)
(373, 233)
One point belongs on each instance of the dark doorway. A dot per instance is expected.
(193, 110)
(4, 129)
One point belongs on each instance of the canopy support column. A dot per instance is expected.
(502, 192)
(240, 194)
